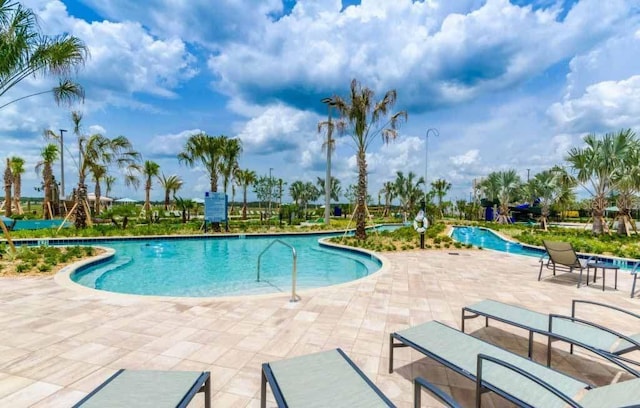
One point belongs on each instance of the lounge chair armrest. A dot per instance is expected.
(592, 324)
(590, 302)
(442, 396)
(543, 256)
(482, 357)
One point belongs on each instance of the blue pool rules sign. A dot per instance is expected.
(215, 207)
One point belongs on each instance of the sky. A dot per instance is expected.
(505, 84)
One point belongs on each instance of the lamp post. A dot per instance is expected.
(327, 180)
(435, 132)
(62, 162)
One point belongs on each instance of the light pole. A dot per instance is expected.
(435, 132)
(62, 162)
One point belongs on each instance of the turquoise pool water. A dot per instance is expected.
(222, 266)
(482, 237)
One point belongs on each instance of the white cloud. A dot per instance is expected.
(608, 105)
(170, 145)
(469, 157)
(434, 59)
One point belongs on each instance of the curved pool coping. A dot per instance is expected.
(63, 277)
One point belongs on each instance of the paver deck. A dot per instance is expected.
(57, 344)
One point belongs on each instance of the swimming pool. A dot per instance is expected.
(222, 266)
(485, 238)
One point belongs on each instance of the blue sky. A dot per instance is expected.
(508, 84)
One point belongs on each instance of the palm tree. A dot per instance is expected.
(626, 179)
(490, 187)
(150, 169)
(334, 189)
(509, 184)
(440, 188)
(208, 150)
(245, 179)
(566, 186)
(98, 151)
(389, 192)
(544, 186)
(97, 174)
(329, 145)
(366, 119)
(109, 181)
(171, 185)
(26, 52)
(49, 155)
(296, 191)
(8, 182)
(595, 166)
(231, 150)
(408, 190)
(17, 168)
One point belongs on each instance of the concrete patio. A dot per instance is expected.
(58, 343)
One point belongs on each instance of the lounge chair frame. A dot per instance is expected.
(404, 342)
(420, 383)
(564, 248)
(269, 377)
(635, 272)
(615, 358)
(202, 384)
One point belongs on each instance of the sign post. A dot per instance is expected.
(215, 208)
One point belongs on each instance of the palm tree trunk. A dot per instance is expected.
(17, 187)
(244, 202)
(214, 188)
(361, 232)
(166, 199)
(8, 182)
(81, 198)
(96, 205)
(597, 212)
(46, 182)
(147, 197)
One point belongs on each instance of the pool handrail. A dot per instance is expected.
(294, 297)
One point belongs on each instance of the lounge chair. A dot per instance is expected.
(467, 356)
(420, 383)
(635, 272)
(598, 339)
(325, 379)
(561, 255)
(153, 389)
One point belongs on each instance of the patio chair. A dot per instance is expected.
(635, 272)
(561, 255)
(325, 379)
(420, 383)
(585, 334)
(152, 389)
(460, 352)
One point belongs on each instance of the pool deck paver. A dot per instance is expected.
(57, 344)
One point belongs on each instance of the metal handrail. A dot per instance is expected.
(294, 297)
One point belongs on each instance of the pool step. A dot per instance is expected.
(97, 275)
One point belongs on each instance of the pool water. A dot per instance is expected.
(222, 266)
(485, 238)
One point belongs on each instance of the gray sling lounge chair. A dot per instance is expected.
(561, 255)
(598, 339)
(149, 389)
(468, 356)
(325, 379)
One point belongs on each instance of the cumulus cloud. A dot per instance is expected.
(435, 58)
(168, 146)
(604, 106)
(278, 129)
(469, 157)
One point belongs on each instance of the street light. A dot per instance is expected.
(435, 132)
(62, 161)
(327, 180)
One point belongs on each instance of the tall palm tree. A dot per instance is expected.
(364, 119)
(49, 155)
(26, 52)
(296, 191)
(389, 192)
(170, 185)
(8, 183)
(150, 169)
(566, 188)
(98, 151)
(17, 168)
(440, 188)
(595, 165)
(208, 150)
(245, 179)
(334, 188)
(329, 146)
(490, 187)
(546, 187)
(231, 150)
